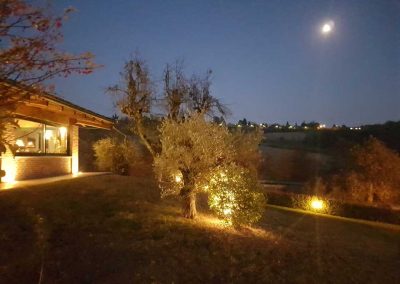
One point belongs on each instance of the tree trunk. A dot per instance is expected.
(188, 196)
(140, 131)
(189, 206)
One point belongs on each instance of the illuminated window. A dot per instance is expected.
(38, 138)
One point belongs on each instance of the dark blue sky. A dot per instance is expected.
(269, 60)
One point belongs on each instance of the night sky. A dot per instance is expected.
(270, 62)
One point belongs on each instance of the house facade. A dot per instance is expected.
(46, 140)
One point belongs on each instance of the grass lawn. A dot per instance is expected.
(112, 229)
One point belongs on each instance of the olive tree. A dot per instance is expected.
(190, 148)
(201, 156)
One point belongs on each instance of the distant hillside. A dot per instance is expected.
(333, 139)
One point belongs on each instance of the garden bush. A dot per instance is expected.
(115, 156)
(234, 195)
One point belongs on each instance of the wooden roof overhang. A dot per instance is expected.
(43, 106)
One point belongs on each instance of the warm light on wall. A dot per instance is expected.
(9, 166)
(75, 165)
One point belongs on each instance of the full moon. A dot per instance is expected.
(327, 27)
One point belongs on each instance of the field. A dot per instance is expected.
(113, 229)
(285, 164)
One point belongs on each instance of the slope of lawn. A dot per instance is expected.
(113, 229)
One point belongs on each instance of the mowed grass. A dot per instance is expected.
(114, 229)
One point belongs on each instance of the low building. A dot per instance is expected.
(47, 137)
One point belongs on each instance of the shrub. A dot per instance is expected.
(234, 195)
(371, 177)
(115, 156)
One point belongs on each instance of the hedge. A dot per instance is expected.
(336, 207)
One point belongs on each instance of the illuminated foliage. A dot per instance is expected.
(234, 195)
(192, 145)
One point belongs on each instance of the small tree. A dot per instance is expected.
(374, 176)
(371, 175)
